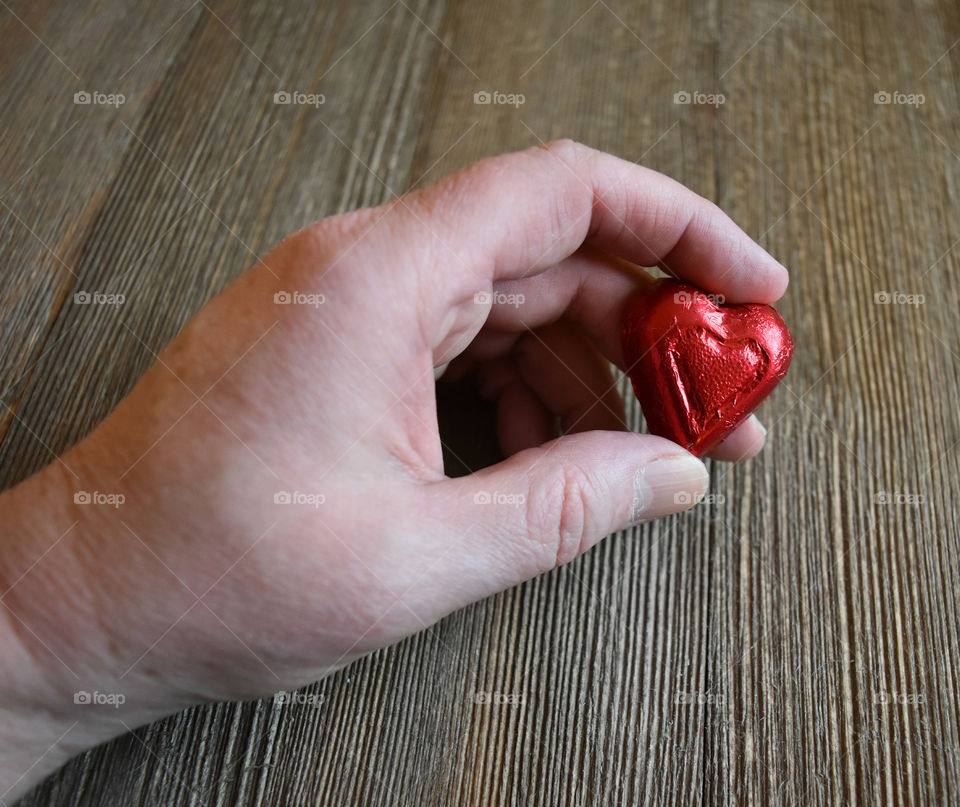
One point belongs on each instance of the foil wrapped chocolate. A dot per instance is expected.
(699, 368)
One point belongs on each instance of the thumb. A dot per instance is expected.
(544, 506)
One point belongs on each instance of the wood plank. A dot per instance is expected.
(792, 640)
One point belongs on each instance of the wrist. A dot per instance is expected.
(61, 691)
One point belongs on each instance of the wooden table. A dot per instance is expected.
(793, 640)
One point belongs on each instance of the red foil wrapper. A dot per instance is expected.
(699, 368)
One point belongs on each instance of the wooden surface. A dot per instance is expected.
(792, 641)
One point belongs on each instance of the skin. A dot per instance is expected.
(200, 586)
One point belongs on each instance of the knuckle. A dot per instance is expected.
(559, 515)
(448, 194)
(334, 232)
(577, 201)
(565, 148)
(319, 243)
(527, 352)
(434, 210)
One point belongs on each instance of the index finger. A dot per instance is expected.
(515, 215)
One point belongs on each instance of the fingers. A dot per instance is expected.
(571, 378)
(567, 377)
(590, 288)
(546, 505)
(744, 442)
(522, 419)
(514, 216)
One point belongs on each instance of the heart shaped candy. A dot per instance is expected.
(699, 368)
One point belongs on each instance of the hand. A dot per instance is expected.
(271, 502)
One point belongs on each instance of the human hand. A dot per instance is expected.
(206, 583)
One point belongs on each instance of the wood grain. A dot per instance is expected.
(791, 640)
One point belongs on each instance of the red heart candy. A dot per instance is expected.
(698, 368)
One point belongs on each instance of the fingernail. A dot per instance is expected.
(667, 485)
